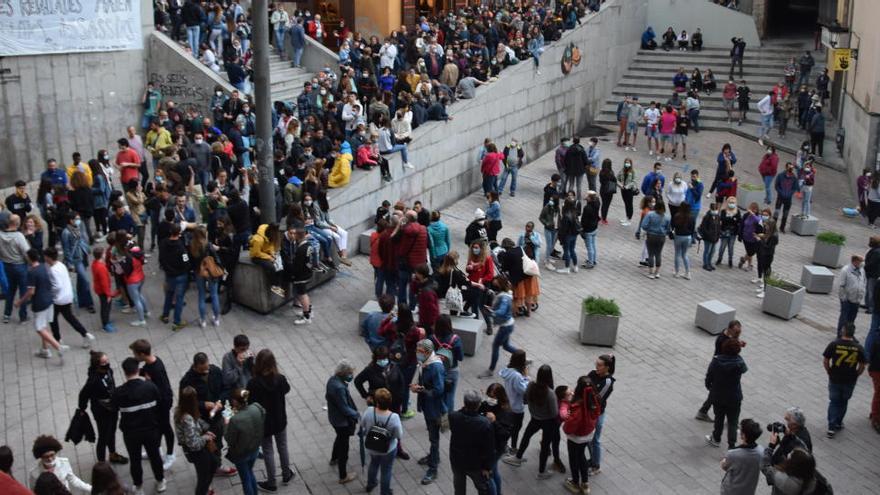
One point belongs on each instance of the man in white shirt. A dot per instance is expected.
(765, 106)
(652, 120)
(387, 55)
(62, 298)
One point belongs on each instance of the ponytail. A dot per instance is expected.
(609, 361)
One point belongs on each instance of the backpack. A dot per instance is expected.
(122, 267)
(378, 437)
(444, 351)
(584, 415)
(823, 487)
(397, 352)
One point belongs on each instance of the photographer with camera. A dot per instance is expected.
(733, 331)
(794, 434)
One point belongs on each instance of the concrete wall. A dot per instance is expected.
(53, 105)
(377, 17)
(180, 77)
(860, 150)
(536, 109)
(718, 24)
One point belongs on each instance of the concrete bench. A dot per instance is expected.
(364, 241)
(804, 226)
(713, 316)
(368, 307)
(251, 287)
(470, 331)
(817, 279)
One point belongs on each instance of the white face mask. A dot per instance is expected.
(219, 93)
(491, 401)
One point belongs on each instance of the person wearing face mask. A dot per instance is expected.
(481, 270)
(731, 223)
(76, 253)
(97, 392)
(430, 390)
(675, 194)
(768, 239)
(382, 373)
(750, 227)
(710, 232)
(343, 416)
(806, 181)
(45, 450)
(626, 181)
(786, 186)
(768, 169)
(268, 388)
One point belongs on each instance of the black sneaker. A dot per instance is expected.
(424, 461)
(286, 477)
(265, 486)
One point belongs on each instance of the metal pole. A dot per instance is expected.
(263, 104)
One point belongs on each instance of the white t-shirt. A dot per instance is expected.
(62, 291)
(652, 115)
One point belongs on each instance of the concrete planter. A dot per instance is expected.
(598, 330)
(784, 302)
(817, 279)
(745, 197)
(829, 255)
(804, 226)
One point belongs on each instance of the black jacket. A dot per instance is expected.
(270, 394)
(575, 161)
(240, 215)
(710, 228)
(208, 389)
(80, 428)
(173, 257)
(723, 379)
(376, 377)
(475, 231)
(511, 261)
(872, 263)
(192, 14)
(590, 216)
(472, 444)
(136, 400)
(97, 391)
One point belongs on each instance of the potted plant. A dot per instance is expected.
(599, 320)
(747, 194)
(828, 249)
(782, 298)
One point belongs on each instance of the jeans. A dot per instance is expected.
(65, 310)
(280, 439)
(378, 282)
(404, 153)
(681, 245)
(404, 276)
(694, 116)
(768, 188)
(297, 56)
(502, 339)
(279, 40)
(727, 241)
(390, 279)
(568, 250)
(838, 398)
(215, 39)
(590, 243)
(550, 238)
(409, 371)
(495, 479)
(16, 274)
(573, 183)
(766, 125)
(512, 171)
(577, 462)
(433, 425)
(192, 35)
(806, 202)
(147, 440)
(104, 303)
(708, 252)
(804, 79)
(490, 183)
(731, 412)
(459, 481)
(385, 462)
(206, 464)
(627, 195)
(83, 287)
(136, 294)
(209, 286)
(848, 313)
(452, 376)
(596, 444)
(245, 468)
(322, 238)
(549, 429)
(340, 450)
(175, 289)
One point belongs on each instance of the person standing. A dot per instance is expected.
(743, 96)
(627, 182)
(13, 253)
(343, 417)
(237, 365)
(622, 119)
(512, 165)
(569, 228)
(153, 370)
(62, 298)
(439, 242)
(430, 390)
(197, 440)
(39, 293)
(765, 106)
(471, 445)
(737, 52)
(244, 432)
(806, 180)
(137, 400)
(607, 188)
(806, 63)
(731, 223)
(851, 291)
(656, 227)
(549, 219)
(412, 251)
(74, 243)
(98, 392)
(381, 416)
(816, 128)
(723, 382)
(742, 464)
(768, 169)
(268, 388)
(174, 260)
(844, 361)
(786, 185)
(298, 41)
(579, 421)
(575, 164)
(768, 239)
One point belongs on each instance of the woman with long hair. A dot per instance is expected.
(544, 412)
(105, 481)
(603, 383)
(683, 231)
(608, 188)
(265, 245)
(82, 201)
(197, 441)
(481, 271)
(516, 380)
(268, 388)
(448, 275)
(656, 226)
(97, 392)
(796, 475)
(569, 228)
(199, 250)
(750, 227)
(497, 404)
(33, 232)
(578, 444)
(101, 188)
(767, 241)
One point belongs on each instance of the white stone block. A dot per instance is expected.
(713, 316)
(817, 279)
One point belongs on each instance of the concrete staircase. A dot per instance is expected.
(287, 81)
(650, 78)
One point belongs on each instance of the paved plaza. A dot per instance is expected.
(652, 443)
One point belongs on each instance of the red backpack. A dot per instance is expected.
(584, 415)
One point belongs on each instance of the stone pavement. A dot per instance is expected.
(652, 443)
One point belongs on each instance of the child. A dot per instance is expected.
(101, 285)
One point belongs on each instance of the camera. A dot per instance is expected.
(777, 427)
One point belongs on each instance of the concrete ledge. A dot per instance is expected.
(364, 241)
(470, 331)
(370, 306)
(713, 316)
(817, 279)
(251, 287)
(804, 226)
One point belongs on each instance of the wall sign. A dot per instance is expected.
(37, 27)
(571, 57)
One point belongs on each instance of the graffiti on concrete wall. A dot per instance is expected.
(179, 88)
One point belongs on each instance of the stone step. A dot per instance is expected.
(775, 65)
(649, 95)
(770, 49)
(636, 81)
(715, 54)
(721, 67)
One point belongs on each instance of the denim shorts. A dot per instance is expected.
(651, 131)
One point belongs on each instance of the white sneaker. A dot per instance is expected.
(138, 490)
(215, 321)
(755, 280)
(408, 165)
(43, 353)
(708, 195)
(203, 323)
(760, 295)
(760, 142)
(563, 270)
(63, 347)
(87, 340)
(161, 486)
(633, 149)
(626, 223)
(302, 320)
(548, 265)
(538, 72)
(574, 268)
(686, 276)
(168, 461)
(127, 310)
(650, 152)
(138, 323)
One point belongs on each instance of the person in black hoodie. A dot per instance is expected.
(383, 373)
(471, 445)
(603, 383)
(153, 370)
(268, 388)
(575, 161)
(767, 242)
(476, 230)
(174, 261)
(297, 254)
(98, 391)
(590, 227)
(872, 271)
(710, 231)
(137, 401)
(510, 263)
(723, 382)
(496, 407)
(731, 219)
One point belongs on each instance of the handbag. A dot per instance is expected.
(210, 269)
(530, 266)
(454, 298)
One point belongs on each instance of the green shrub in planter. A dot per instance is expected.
(599, 320)
(832, 238)
(751, 187)
(828, 249)
(601, 306)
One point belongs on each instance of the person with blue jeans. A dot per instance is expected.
(174, 260)
(786, 185)
(844, 360)
(444, 338)
(381, 415)
(512, 165)
(386, 146)
(502, 316)
(603, 383)
(768, 169)
(569, 227)
(193, 16)
(590, 227)
(710, 233)
(765, 106)
(683, 233)
(244, 434)
(850, 291)
(76, 251)
(430, 389)
(298, 41)
(13, 254)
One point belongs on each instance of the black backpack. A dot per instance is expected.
(823, 487)
(378, 437)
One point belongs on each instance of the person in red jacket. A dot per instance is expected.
(481, 270)
(102, 288)
(412, 251)
(490, 167)
(425, 289)
(768, 169)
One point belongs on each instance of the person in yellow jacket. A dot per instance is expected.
(340, 174)
(158, 138)
(264, 248)
(79, 166)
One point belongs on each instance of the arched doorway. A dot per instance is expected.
(789, 18)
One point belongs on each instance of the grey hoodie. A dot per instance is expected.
(13, 247)
(515, 385)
